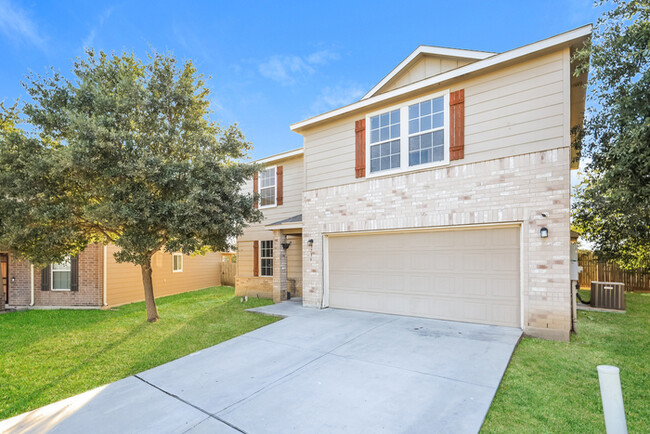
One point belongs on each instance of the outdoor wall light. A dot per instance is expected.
(13, 279)
(311, 243)
(285, 246)
(543, 232)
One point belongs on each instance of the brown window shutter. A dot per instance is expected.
(360, 140)
(74, 273)
(255, 188)
(278, 177)
(457, 125)
(45, 279)
(256, 258)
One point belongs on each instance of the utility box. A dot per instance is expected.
(608, 295)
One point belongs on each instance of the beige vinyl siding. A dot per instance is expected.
(294, 261)
(124, 280)
(428, 66)
(513, 110)
(245, 258)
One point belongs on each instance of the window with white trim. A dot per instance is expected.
(62, 275)
(266, 258)
(267, 187)
(427, 131)
(177, 262)
(385, 141)
(410, 136)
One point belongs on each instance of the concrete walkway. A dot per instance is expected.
(317, 371)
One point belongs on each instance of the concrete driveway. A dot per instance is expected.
(315, 371)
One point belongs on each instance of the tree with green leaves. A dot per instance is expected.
(123, 153)
(8, 119)
(612, 204)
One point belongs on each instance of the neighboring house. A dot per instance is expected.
(443, 193)
(94, 279)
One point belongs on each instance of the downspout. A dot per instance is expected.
(31, 285)
(104, 278)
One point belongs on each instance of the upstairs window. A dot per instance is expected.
(427, 132)
(266, 256)
(267, 187)
(385, 141)
(410, 136)
(62, 276)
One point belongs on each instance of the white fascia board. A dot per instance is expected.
(281, 156)
(284, 226)
(428, 49)
(495, 60)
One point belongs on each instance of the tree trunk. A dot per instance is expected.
(149, 299)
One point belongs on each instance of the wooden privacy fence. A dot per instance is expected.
(593, 270)
(228, 273)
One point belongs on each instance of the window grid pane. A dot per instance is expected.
(266, 254)
(267, 177)
(62, 274)
(267, 187)
(177, 262)
(385, 126)
(385, 156)
(426, 148)
(61, 279)
(426, 118)
(267, 196)
(426, 115)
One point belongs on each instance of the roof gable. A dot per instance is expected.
(426, 61)
(573, 38)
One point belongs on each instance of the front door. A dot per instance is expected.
(4, 273)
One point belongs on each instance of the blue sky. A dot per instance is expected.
(272, 63)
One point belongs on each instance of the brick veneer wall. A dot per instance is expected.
(20, 289)
(261, 287)
(512, 189)
(90, 283)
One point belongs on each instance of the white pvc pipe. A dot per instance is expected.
(612, 395)
(104, 276)
(31, 285)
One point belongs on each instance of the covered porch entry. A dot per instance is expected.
(287, 258)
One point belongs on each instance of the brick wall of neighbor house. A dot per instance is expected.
(90, 283)
(20, 289)
(510, 189)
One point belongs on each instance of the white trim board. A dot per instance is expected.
(431, 50)
(280, 156)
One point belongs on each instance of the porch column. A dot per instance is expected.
(279, 267)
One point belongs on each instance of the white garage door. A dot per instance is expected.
(467, 275)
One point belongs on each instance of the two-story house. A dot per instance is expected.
(269, 253)
(443, 193)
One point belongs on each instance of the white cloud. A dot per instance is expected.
(284, 69)
(337, 96)
(322, 57)
(90, 38)
(287, 70)
(16, 25)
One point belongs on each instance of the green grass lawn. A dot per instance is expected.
(48, 355)
(553, 386)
